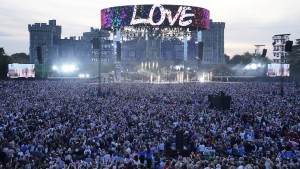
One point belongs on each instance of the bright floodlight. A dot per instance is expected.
(253, 66)
(247, 67)
(178, 67)
(201, 79)
(68, 68)
(84, 75)
(54, 67)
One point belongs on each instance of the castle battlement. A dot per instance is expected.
(43, 26)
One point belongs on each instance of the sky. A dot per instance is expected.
(247, 22)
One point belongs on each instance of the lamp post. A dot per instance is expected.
(199, 48)
(185, 48)
(97, 45)
(99, 66)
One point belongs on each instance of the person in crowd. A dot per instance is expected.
(66, 124)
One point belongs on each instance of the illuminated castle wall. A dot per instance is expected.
(133, 52)
(55, 49)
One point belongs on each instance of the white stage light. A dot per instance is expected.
(253, 66)
(54, 67)
(202, 79)
(68, 68)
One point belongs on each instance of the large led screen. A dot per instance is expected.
(21, 70)
(155, 15)
(276, 69)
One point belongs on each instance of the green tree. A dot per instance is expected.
(2, 52)
(293, 58)
(4, 61)
(227, 58)
(21, 58)
(246, 58)
(222, 70)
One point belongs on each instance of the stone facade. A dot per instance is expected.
(132, 52)
(213, 40)
(46, 37)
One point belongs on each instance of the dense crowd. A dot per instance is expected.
(69, 124)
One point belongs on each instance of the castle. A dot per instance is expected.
(55, 49)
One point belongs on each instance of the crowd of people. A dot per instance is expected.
(81, 124)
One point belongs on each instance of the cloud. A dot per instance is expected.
(4, 34)
(12, 45)
(248, 22)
